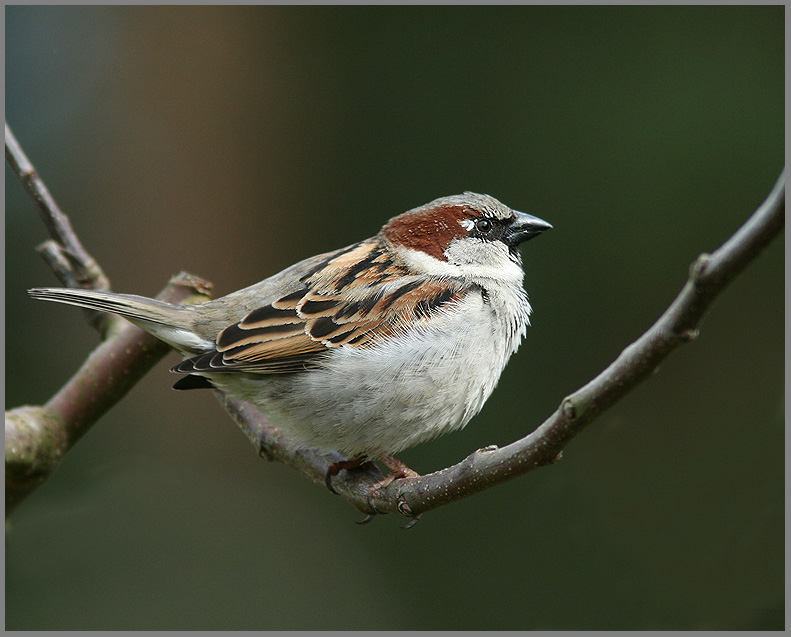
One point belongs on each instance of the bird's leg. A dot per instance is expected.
(336, 467)
(397, 470)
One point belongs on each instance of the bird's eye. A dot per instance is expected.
(483, 225)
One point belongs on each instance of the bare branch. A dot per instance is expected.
(36, 438)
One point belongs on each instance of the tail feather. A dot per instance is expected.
(174, 324)
(131, 306)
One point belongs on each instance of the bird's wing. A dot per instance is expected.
(353, 299)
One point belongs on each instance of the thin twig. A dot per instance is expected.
(85, 270)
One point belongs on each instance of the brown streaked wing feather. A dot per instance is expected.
(297, 345)
(290, 301)
(270, 315)
(235, 336)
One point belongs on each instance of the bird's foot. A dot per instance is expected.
(336, 467)
(397, 470)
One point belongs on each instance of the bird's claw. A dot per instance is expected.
(328, 480)
(371, 505)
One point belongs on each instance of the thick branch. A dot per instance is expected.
(36, 438)
(488, 467)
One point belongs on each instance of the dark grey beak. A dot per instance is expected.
(524, 227)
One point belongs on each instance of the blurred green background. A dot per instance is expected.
(234, 141)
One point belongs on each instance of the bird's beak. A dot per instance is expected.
(524, 227)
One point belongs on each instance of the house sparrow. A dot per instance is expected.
(366, 350)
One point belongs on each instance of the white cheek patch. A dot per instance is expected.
(481, 259)
(467, 224)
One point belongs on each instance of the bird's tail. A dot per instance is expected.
(130, 306)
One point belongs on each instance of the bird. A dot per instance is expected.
(366, 350)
